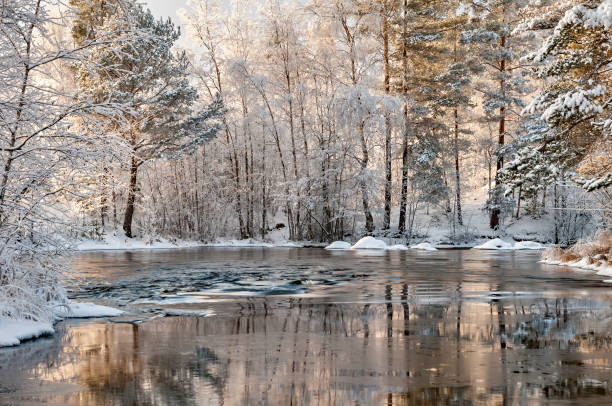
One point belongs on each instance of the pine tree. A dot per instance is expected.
(497, 51)
(161, 117)
(576, 102)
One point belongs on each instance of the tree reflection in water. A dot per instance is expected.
(451, 352)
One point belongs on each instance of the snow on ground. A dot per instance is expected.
(118, 241)
(339, 245)
(13, 332)
(86, 310)
(425, 246)
(495, 244)
(601, 268)
(499, 244)
(528, 245)
(369, 243)
(397, 247)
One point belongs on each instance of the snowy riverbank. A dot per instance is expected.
(15, 331)
(594, 255)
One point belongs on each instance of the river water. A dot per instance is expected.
(214, 326)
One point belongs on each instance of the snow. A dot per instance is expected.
(499, 244)
(601, 268)
(118, 241)
(86, 310)
(369, 243)
(397, 247)
(425, 246)
(339, 245)
(528, 245)
(13, 332)
(495, 244)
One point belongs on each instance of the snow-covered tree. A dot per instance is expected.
(44, 151)
(161, 116)
(498, 51)
(576, 102)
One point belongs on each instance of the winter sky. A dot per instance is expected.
(166, 8)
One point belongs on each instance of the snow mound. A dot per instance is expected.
(339, 245)
(528, 245)
(369, 243)
(78, 310)
(13, 331)
(398, 247)
(425, 246)
(495, 244)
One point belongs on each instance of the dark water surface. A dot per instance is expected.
(311, 327)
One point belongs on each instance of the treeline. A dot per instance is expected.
(339, 111)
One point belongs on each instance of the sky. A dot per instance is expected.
(166, 8)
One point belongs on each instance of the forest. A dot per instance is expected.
(316, 120)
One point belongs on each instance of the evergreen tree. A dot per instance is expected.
(576, 103)
(161, 115)
(497, 50)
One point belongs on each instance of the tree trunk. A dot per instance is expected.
(363, 184)
(404, 192)
(388, 176)
(457, 170)
(131, 199)
(495, 213)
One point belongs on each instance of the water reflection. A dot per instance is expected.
(404, 337)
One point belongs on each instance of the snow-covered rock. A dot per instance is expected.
(495, 244)
(528, 245)
(397, 247)
(339, 245)
(86, 310)
(14, 331)
(369, 243)
(425, 246)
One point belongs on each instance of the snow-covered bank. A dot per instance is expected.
(15, 331)
(424, 246)
(499, 244)
(371, 243)
(78, 310)
(116, 241)
(594, 255)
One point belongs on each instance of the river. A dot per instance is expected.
(214, 326)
